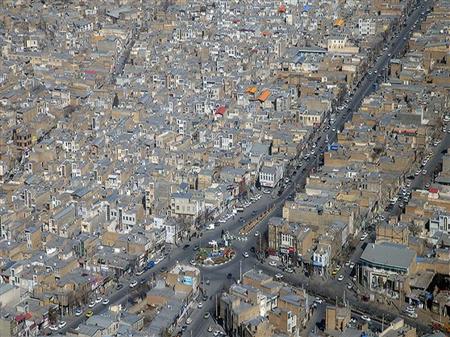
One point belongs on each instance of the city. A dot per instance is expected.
(225, 168)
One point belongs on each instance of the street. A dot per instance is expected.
(328, 289)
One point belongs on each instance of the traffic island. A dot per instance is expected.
(214, 255)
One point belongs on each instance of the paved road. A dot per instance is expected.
(217, 275)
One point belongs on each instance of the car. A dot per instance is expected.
(272, 263)
(98, 299)
(352, 265)
(133, 284)
(364, 236)
(206, 315)
(193, 263)
(89, 313)
(256, 233)
(318, 300)
(410, 308)
(204, 298)
(338, 267)
(188, 320)
(424, 172)
(196, 247)
(62, 324)
(349, 286)
(140, 272)
(183, 328)
(229, 276)
(334, 272)
(427, 185)
(245, 254)
(279, 276)
(186, 246)
(207, 282)
(200, 305)
(91, 304)
(210, 329)
(119, 286)
(53, 327)
(354, 278)
(366, 318)
(105, 301)
(78, 312)
(412, 314)
(347, 263)
(289, 270)
(252, 249)
(340, 278)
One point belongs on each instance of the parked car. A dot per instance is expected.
(89, 313)
(53, 327)
(133, 284)
(366, 318)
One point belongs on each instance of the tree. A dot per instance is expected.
(115, 101)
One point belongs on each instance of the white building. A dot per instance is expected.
(367, 27)
(269, 176)
(440, 223)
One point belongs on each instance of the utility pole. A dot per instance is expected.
(216, 308)
(240, 270)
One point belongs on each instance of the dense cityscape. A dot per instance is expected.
(225, 168)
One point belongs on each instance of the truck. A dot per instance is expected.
(150, 265)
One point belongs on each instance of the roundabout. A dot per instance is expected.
(213, 255)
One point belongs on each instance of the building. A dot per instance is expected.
(269, 176)
(385, 267)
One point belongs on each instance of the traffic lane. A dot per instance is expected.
(357, 97)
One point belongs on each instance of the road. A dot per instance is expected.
(217, 275)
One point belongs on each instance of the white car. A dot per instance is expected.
(272, 263)
(366, 318)
(410, 308)
(78, 312)
(318, 300)
(200, 305)
(133, 284)
(98, 299)
(192, 262)
(349, 286)
(412, 314)
(256, 233)
(352, 265)
(340, 278)
(245, 254)
(91, 304)
(53, 327)
(62, 324)
(279, 276)
(105, 301)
